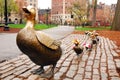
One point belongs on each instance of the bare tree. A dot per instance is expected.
(94, 12)
(88, 8)
(116, 21)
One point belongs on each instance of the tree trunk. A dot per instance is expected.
(116, 21)
(88, 9)
(94, 12)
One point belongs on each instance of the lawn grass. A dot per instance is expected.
(37, 26)
(92, 28)
(16, 25)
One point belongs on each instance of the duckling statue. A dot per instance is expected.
(94, 37)
(88, 44)
(42, 49)
(77, 48)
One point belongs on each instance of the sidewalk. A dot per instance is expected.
(9, 49)
(102, 63)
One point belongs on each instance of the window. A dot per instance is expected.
(31, 4)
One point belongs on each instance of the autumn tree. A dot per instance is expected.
(1, 9)
(79, 12)
(116, 21)
(11, 6)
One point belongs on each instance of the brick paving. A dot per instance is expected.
(102, 63)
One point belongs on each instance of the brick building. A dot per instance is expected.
(104, 14)
(35, 4)
(60, 13)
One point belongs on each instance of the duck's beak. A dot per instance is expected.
(26, 10)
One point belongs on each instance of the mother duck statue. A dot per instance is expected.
(41, 48)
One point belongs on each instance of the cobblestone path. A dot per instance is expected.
(102, 63)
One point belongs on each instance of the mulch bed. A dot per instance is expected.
(11, 30)
(113, 35)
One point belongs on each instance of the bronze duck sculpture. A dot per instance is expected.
(77, 48)
(94, 37)
(38, 46)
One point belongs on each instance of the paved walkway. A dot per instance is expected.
(102, 63)
(9, 49)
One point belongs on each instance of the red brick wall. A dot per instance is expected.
(57, 6)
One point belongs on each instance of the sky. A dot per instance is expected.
(45, 4)
(108, 2)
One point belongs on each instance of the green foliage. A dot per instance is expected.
(37, 26)
(79, 12)
(11, 6)
(1, 8)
